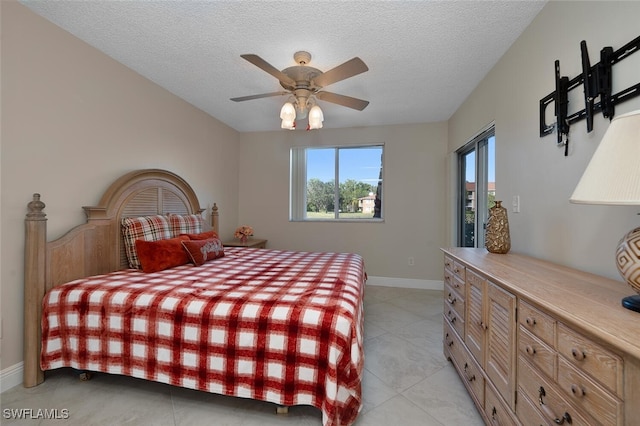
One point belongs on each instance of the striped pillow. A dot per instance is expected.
(147, 228)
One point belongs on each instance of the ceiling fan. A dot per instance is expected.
(304, 82)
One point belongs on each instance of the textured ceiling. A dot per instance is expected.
(424, 57)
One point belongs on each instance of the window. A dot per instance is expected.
(477, 187)
(336, 183)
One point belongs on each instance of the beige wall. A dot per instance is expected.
(413, 201)
(73, 120)
(534, 168)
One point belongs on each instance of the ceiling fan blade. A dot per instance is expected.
(266, 66)
(350, 68)
(343, 100)
(262, 95)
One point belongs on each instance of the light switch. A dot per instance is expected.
(516, 204)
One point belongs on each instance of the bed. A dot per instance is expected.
(273, 325)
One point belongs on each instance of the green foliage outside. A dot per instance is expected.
(320, 197)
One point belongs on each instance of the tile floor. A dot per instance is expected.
(407, 381)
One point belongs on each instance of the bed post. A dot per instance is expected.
(214, 218)
(34, 289)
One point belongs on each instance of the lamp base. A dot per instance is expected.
(632, 303)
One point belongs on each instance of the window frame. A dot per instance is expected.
(479, 144)
(298, 183)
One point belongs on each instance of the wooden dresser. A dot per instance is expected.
(537, 343)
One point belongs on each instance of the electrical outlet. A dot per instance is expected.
(412, 261)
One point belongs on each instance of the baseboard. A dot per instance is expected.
(406, 283)
(11, 376)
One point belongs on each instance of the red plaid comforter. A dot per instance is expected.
(278, 326)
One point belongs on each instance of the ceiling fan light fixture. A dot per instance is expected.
(288, 112)
(288, 124)
(288, 116)
(316, 117)
(304, 84)
(302, 106)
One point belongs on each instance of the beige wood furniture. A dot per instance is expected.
(96, 247)
(537, 343)
(251, 242)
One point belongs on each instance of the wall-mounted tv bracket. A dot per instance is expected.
(596, 81)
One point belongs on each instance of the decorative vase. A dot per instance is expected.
(497, 239)
(243, 239)
(628, 263)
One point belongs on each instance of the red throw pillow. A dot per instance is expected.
(201, 251)
(202, 236)
(162, 254)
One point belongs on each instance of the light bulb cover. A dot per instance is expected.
(316, 117)
(288, 112)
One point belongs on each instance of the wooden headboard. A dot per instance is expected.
(95, 247)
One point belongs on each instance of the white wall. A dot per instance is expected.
(413, 201)
(534, 168)
(74, 120)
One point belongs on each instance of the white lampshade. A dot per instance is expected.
(288, 124)
(613, 175)
(316, 117)
(288, 116)
(288, 112)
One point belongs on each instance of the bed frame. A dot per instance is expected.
(96, 247)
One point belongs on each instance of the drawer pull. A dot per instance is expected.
(451, 299)
(483, 325)
(449, 342)
(577, 390)
(466, 374)
(530, 321)
(530, 350)
(494, 417)
(547, 411)
(578, 355)
(447, 278)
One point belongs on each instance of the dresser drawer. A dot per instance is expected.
(537, 323)
(468, 369)
(471, 375)
(448, 276)
(451, 342)
(581, 389)
(454, 319)
(495, 410)
(527, 411)
(590, 357)
(458, 285)
(537, 353)
(453, 300)
(549, 398)
(459, 270)
(448, 264)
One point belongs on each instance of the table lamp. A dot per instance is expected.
(613, 178)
